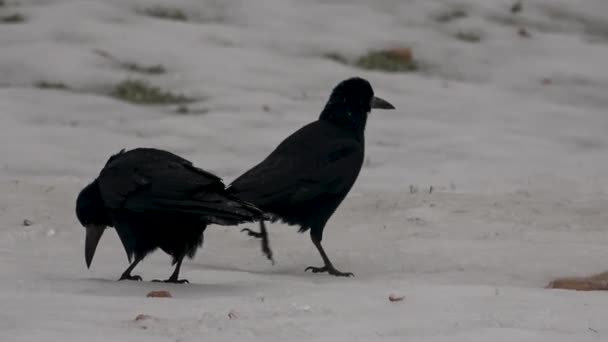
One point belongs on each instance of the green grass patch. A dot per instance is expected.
(450, 15)
(468, 36)
(387, 60)
(142, 92)
(390, 60)
(157, 69)
(51, 85)
(12, 19)
(163, 12)
(336, 57)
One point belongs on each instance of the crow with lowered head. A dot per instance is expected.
(156, 199)
(304, 180)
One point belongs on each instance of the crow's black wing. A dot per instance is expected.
(160, 174)
(148, 180)
(313, 161)
(334, 173)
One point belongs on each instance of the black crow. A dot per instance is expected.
(156, 199)
(304, 180)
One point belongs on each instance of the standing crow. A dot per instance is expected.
(304, 180)
(156, 199)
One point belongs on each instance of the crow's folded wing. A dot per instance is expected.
(301, 174)
(147, 179)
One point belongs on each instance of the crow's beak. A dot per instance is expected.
(94, 233)
(381, 104)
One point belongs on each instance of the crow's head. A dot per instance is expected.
(92, 214)
(350, 102)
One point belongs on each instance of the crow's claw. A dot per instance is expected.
(172, 281)
(130, 277)
(330, 270)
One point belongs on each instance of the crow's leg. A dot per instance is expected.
(174, 278)
(126, 275)
(266, 242)
(263, 234)
(329, 267)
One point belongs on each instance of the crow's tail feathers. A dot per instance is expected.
(233, 211)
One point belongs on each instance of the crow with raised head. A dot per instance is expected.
(156, 199)
(304, 180)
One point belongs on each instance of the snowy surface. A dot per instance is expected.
(510, 132)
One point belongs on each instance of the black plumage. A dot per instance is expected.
(304, 180)
(156, 199)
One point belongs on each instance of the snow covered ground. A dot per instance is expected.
(510, 131)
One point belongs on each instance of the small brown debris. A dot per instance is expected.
(266, 108)
(402, 53)
(578, 285)
(233, 314)
(27, 222)
(597, 282)
(523, 32)
(159, 294)
(547, 81)
(394, 298)
(142, 317)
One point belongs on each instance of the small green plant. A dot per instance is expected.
(164, 13)
(141, 92)
(468, 36)
(336, 57)
(451, 15)
(157, 69)
(185, 110)
(51, 85)
(182, 109)
(387, 60)
(13, 19)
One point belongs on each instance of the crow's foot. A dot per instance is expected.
(130, 277)
(172, 281)
(331, 270)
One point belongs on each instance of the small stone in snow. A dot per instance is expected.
(142, 317)
(395, 298)
(517, 7)
(233, 314)
(27, 222)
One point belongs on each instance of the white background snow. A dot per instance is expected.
(518, 164)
